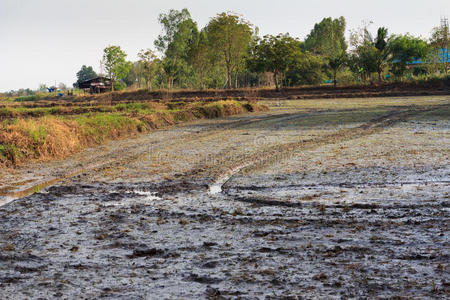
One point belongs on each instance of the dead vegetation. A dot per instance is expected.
(48, 133)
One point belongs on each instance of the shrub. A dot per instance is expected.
(26, 98)
(119, 85)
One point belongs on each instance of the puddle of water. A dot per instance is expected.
(8, 197)
(6, 200)
(149, 196)
(216, 187)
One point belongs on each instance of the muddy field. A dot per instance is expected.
(315, 199)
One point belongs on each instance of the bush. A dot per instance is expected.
(26, 98)
(346, 77)
(119, 85)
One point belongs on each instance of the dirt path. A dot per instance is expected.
(334, 200)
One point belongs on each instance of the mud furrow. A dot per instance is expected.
(280, 152)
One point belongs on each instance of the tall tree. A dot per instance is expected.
(230, 35)
(135, 75)
(179, 33)
(115, 64)
(275, 54)
(327, 39)
(147, 62)
(369, 54)
(85, 73)
(200, 58)
(383, 51)
(440, 40)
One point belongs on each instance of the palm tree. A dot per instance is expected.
(383, 55)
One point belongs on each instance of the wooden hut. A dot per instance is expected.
(96, 85)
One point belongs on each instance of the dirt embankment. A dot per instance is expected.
(54, 135)
(433, 87)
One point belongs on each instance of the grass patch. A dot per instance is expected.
(103, 126)
(26, 98)
(143, 108)
(10, 152)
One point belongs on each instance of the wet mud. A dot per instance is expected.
(307, 212)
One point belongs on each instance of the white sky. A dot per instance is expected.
(43, 41)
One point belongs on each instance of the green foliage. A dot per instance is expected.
(364, 60)
(306, 69)
(383, 55)
(440, 41)
(143, 108)
(276, 54)
(229, 38)
(201, 58)
(26, 98)
(104, 125)
(179, 34)
(405, 49)
(148, 64)
(38, 135)
(114, 61)
(370, 54)
(327, 39)
(228, 52)
(85, 73)
(119, 85)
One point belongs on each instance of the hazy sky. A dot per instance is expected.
(43, 41)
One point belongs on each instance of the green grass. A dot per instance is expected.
(38, 135)
(139, 108)
(10, 152)
(105, 125)
(26, 98)
(143, 108)
(11, 112)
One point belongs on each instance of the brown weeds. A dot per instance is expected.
(49, 137)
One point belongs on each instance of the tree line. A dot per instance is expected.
(229, 53)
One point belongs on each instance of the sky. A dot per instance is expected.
(47, 41)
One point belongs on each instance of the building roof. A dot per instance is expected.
(99, 80)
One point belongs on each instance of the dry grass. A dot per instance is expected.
(56, 136)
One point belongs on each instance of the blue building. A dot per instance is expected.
(443, 56)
